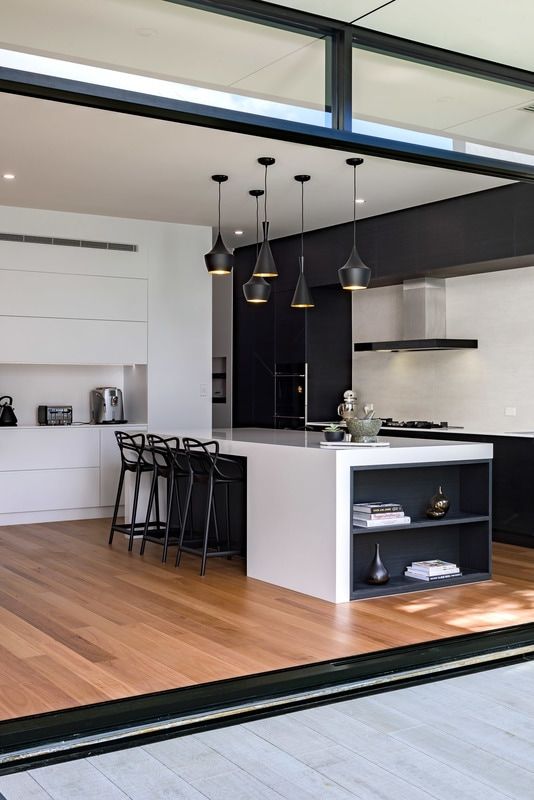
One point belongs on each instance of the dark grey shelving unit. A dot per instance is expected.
(463, 536)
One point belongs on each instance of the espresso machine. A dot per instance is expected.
(107, 406)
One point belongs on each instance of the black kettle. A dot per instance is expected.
(7, 415)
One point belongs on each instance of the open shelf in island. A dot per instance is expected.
(456, 519)
(400, 584)
(463, 536)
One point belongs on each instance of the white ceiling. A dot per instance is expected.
(345, 10)
(90, 161)
(497, 30)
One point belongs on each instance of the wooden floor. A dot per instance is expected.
(81, 622)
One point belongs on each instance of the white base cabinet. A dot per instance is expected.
(49, 473)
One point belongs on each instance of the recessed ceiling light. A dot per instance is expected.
(360, 200)
(238, 233)
(8, 176)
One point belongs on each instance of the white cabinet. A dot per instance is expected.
(48, 448)
(49, 489)
(71, 471)
(36, 340)
(87, 297)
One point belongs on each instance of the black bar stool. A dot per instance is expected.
(133, 459)
(210, 469)
(172, 464)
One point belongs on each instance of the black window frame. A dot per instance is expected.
(341, 38)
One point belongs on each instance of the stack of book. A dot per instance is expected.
(374, 515)
(435, 570)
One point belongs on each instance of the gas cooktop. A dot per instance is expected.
(388, 422)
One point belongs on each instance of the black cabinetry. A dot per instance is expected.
(513, 481)
(274, 334)
(463, 536)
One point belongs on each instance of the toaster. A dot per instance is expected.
(106, 405)
(54, 415)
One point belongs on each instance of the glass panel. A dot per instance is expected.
(169, 50)
(410, 102)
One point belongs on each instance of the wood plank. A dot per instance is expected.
(81, 622)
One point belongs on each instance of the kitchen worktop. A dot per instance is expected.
(238, 441)
(75, 425)
(460, 431)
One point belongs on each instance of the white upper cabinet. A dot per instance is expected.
(38, 340)
(89, 297)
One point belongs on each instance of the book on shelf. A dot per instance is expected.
(382, 515)
(432, 578)
(433, 567)
(378, 507)
(361, 522)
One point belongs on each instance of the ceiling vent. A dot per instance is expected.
(54, 240)
(530, 107)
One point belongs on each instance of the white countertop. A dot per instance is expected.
(251, 441)
(312, 439)
(454, 429)
(460, 431)
(76, 425)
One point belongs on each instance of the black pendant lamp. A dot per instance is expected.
(257, 290)
(302, 297)
(265, 266)
(219, 260)
(354, 274)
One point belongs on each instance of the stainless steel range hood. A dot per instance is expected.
(424, 304)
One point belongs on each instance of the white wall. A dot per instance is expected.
(33, 385)
(179, 331)
(171, 327)
(222, 344)
(470, 387)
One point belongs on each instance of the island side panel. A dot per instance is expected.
(291, 518)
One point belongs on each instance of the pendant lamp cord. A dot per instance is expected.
(219, 207)
(302, 225)
(265, 195)
(354, 210)
(257, 227)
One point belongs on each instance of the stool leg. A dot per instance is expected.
(134, 508)
(209, 506)
(149, 510)
(158, 518)
(170, 498)
(186, 512)
(228, 545)
(117, 504)
(216, 522)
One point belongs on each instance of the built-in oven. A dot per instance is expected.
(290, 395)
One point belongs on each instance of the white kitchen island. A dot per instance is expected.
(299, 509)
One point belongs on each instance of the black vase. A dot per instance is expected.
(377, 572)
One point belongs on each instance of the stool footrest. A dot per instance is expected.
(197, 551)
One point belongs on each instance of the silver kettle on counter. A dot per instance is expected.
(7, 414)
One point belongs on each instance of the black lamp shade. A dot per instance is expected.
(256, 290)
(265, 266)
(354, 274)
(302, 297)
(219, 260)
